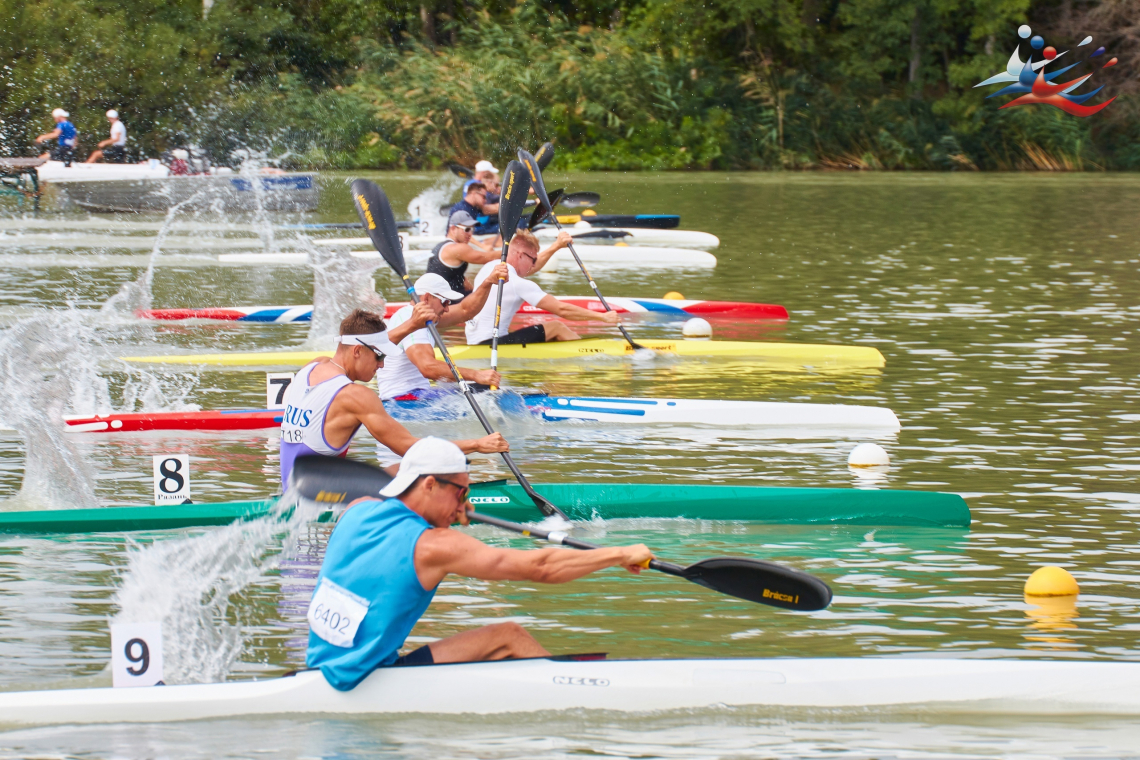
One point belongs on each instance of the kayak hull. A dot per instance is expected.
(964, 686)
(778, 355)
(580, 501)
(594, 256)
(655, 306)
(752, 415)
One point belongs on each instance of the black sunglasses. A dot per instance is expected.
(377, 353)
(463, 490)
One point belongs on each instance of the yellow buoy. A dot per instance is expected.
(673, 295)
(1051, 581)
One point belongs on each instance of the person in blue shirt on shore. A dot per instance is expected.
(66, 136)
(387, 557)
(475, 203)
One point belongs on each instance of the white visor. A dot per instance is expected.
(378, 341)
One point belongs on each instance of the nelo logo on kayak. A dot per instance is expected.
(579, 681)
(789, 598)
(490, 500)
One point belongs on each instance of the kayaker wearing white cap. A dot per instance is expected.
(325, 406)
(66, 136)
(387, 557)
(406, 375)
(114, 149)
(524, 259)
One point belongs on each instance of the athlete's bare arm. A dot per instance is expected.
(442, 551)
(423, 356)
(357, 404)
(473, 303)
(576, 313)
(455, 254)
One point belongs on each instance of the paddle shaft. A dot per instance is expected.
(559, 537)
(498, 314)
(545, 505)
(594, 285)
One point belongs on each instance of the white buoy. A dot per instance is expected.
(868, 455)
(697, 328)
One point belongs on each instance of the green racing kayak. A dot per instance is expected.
(580, 501)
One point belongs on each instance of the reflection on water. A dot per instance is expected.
(1009, 362)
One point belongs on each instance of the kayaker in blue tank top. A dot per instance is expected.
(387, 556)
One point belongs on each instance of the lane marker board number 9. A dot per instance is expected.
(171, 478)
(136, 654)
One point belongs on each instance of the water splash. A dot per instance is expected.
(190, 584)
(138, 294)
(252, 169)
(341, 283)
(424, 208)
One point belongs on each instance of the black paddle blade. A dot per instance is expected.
(376, 214)
(333, 480)
(512, 200)
(534, 173)
(581, 200)
(761, 582)
(544, 155)
(461, 171)
(541, 211)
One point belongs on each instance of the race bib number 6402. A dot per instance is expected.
(335, 613)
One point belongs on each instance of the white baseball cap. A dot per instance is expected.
(427, 456)
(486, 166)
(112, 114)
(61, 112)
(437, 286)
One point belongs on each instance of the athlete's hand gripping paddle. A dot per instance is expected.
(510, 211)
(376, 214)
(336, 480)
(539, 186)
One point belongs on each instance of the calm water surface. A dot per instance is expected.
(1006, 308)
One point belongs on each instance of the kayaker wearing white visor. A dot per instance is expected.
(325, 404)
(406, 375)
(524, 259)
(387, 556)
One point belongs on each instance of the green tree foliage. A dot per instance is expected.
(622, 84)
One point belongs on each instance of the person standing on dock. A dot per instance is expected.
(387, 556)
(326, 404)
(114, 149)
(406, 375)
(523, 259)
(66, 136)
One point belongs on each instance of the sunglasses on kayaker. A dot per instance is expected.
(463, 490)
(376, 352)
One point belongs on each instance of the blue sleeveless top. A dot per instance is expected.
(372, 554)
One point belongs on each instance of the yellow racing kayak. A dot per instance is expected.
(782, 355)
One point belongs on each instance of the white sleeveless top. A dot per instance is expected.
(303, 421)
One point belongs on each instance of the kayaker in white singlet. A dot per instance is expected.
(325, 405)
(388, 556)
(523, 259)
(413, 367)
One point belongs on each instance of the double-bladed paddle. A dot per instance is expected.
(336, 480)
(510, 211)
(461, 171)
(376, 214)
(539, 186)
(541, 210)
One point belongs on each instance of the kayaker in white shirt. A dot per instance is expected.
(388, 555)
(413, 367)
(522, 259)
(114, 149)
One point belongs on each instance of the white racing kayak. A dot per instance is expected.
(594, 256)
(1026, 687)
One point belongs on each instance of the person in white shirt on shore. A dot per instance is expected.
(522, 256)
(407, 374)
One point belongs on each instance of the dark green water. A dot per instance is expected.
(1006, 307)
